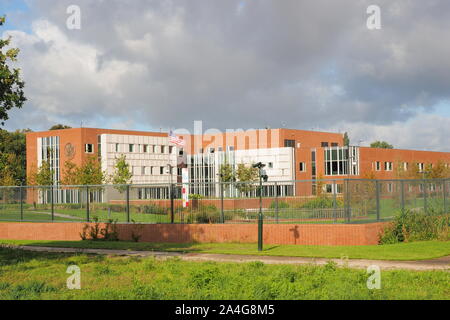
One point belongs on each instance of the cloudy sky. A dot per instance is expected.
(303, 64)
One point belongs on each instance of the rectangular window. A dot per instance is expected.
(131, 147)
(336, 161)
(117, 147)
(230, 148)
(270, 165)
(211, 150)
(378, 166)
(421, 167)
(405, 166)
(334, 144)
(89, 148)
(163, 149)
(324, 144)
(145, 148)
(161, 170)
(289, 143)
(143, 171)
(170, 149)
(220, 149)
(390, 187)
(388, 166)
(302, 167)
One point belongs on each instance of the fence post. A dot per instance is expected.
(335, 201)
(402, 195)
(87, 204)
(128, 202)
(425, 200)
(172, 215)
(222, 214)
(445, 196)
(347, 200)
(377, 191)
(276, 203)
(21, 202)
(52, 203)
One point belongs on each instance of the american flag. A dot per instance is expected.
(175, 140)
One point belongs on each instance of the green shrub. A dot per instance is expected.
(320, 203)
(281, 205)
(204, 214)
(416, 226)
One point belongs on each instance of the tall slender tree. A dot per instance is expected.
(11, 84)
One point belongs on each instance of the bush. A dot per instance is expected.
(96, 233)
(416, 226)
(320, 203)
(204, 214)
(281, 205)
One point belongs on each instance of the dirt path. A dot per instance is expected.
(61, 215)
(434, 264)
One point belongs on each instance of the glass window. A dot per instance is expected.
(89, 148)
(289, 143)
(131, 147)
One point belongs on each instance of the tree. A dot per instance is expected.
(43, 176)
(381, 145)
(438, 171)
(70, 174)
(12, 154)
(226, 173)
(122, 174)
(90, 173)
(11, 85)
(346, 140)
(59, 127)
(246, 175)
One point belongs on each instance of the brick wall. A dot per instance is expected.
(309, 234)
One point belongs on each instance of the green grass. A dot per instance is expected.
(32, 275)
(401, 251)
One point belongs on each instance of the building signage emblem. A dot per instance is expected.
(69, 151)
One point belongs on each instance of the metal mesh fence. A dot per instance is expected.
(312, 201)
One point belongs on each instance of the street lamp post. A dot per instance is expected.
(262, 175)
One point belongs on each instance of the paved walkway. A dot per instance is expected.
(434, 264)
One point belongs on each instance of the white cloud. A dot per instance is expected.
(302, 63)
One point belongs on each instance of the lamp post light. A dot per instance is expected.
(262, 176)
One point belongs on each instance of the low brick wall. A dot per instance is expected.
(301, 234)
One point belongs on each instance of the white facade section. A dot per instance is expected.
(147, 156)
(279, 162)
(204, 168)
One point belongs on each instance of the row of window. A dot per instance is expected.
(388, 166)
(152, 170)
(132, 148)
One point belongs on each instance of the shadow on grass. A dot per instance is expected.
(14, 256)
(119, 245)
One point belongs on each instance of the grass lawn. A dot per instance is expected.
(32, 275)
(402, 251)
